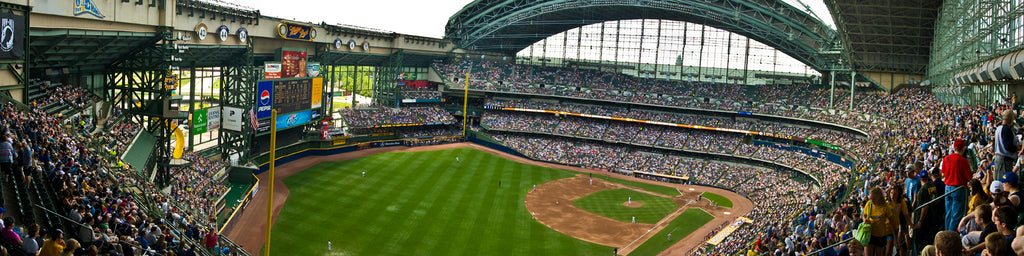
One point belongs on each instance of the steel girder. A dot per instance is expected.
(135, 82)
(970, 32)
(238, 90)
(875, 31)
(508, 26)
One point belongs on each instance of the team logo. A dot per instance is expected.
(366, 46)
(86, 6)
(265, 97)
(292, 118)
(351, 44)
(338, 43)
(222, 32)
(243, 35)
(201, 31)
(7, 34)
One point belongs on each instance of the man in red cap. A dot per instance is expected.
(957, 171)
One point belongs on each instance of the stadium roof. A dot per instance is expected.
(886, 35)
(507, 26)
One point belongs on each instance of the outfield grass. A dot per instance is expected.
(680, 227)
(721, 200)
(608, 203)
(419, 203)
(668, 191)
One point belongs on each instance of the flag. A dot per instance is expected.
(252, 118)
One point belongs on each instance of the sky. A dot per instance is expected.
(412, 17)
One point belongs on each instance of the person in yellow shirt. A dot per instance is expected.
(878, 213)
(53, 246)
(900, 207)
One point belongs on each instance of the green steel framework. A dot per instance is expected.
(968, 33)
(136, 84)
(238, 76)
(385, 90)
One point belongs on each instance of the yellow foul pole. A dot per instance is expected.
(465, 103)
(270, 204)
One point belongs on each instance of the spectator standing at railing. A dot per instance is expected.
(957, 172)
(930, 218)
(7, 155)
(1007, 149)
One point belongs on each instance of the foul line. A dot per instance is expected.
(659, 224)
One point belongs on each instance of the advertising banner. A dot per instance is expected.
(212, 119)
(317, 94)
(296, 31)
(313, 69)
(272, 70)
(198, 122)
(264, 98)
(232, 119)
(291, 120)
(293, 63)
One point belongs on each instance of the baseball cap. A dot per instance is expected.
(959, 143)
(923, 174)
(996, 187)
(1009, 177)
(2, 210)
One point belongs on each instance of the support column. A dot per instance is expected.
(832, 96)
(853, 82)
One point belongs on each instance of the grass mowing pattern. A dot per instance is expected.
(680, 227)
(668, 191)
(420, 203)
(721, 200)
(608, 203)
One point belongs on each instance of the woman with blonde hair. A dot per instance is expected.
(879, 214)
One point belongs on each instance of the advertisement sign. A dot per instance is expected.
(313, 69)
(264, 98)
(232, 119)
(170, 82)
(272, 70)
(291, 120)
(317, 93)
(87, 7)
(212, 119)
(12, 36)
(296, 32)
(264, 126)
(293, 63)
(199, 122)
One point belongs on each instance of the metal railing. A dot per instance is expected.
(913, 243)
(941, 198)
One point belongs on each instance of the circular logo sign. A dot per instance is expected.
(312, 33)
(222, 33)
(265, 97)
(351, 44)
(243, 35)
(338, 43)
(282, 29)
(366, 46)
(201, 31)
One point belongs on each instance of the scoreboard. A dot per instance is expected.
(292, 95)
(288, 95)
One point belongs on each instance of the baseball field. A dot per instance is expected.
(427, 203)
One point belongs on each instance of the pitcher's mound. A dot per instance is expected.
(632, 204)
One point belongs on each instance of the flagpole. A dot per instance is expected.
(270, 205)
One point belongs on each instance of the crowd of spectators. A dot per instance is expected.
(377, 115)
(909, 127)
